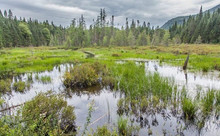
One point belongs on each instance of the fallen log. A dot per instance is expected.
(12, 107)
(89, 54)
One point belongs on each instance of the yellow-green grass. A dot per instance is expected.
(30, 59)
(202, 57)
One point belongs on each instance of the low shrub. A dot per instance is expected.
(19, 86)
(48, 113)
(5, 86)
(87, 75)
(45, 115)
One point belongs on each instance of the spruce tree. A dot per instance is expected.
(10, 14)
(5, 14)
(1, 15)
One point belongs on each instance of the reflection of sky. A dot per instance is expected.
(105, 98)
(194, 81)
(36, 86)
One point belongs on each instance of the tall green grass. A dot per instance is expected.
(45, 79)
(123, 126)
(218, 98)
(208, 102)
(21, 60)
(189, 108)
(134, 81)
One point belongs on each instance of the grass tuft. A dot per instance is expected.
(189, 108)
(45, 79)
(19, 86)
(208, 102)
(123, 126)
(5, 86)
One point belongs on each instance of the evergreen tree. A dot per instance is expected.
(10, 14)
(202, 28)
(131, 39)
(198, 40)
(26, 33)
(1, 15)
(46, 34)
(203, 25)
(5, 14)
(127, 27)
(1, 41)
(200, 13)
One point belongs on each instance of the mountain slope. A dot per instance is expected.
(180, 19)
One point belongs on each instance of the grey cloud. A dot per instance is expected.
(62, 11)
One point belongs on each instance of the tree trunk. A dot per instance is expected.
(186, 62)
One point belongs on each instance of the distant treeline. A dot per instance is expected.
(104, 33)
(202, 28)
(21, 32)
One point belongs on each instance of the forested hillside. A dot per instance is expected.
(23, 32)
(203, 28)
(181, 19)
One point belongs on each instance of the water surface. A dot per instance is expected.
(162, 122)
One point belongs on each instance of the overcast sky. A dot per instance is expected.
(157, 12)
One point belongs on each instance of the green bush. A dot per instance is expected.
(87, 75)
(47, 113)
(19, 86)
(5, 86)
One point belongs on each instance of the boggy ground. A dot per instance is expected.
(30, 59)
(145, 93)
